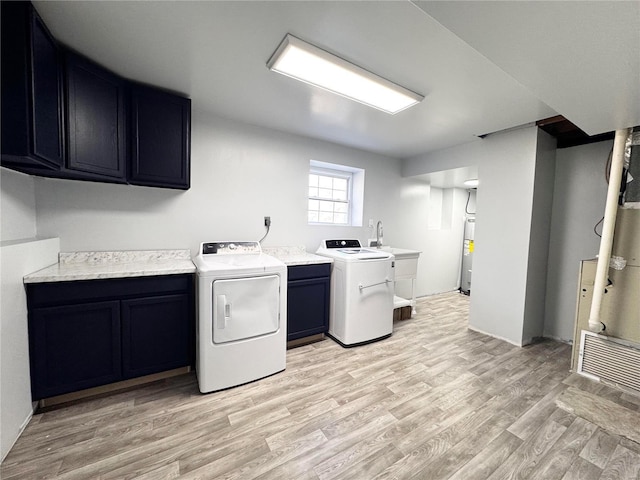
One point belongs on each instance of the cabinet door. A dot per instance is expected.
(156, 334)
(160, 138)
(74, 347)
(95, 118)
(47, 94)
(32, 129)
(307, 307)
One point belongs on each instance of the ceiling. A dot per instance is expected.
(482, 66)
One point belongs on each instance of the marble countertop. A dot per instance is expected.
(118, 264)
(292, 256)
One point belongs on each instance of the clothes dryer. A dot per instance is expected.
(242, 314)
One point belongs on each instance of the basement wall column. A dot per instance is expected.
(512, 227)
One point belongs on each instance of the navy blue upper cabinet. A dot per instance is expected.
(160, 138)
(95, 119)
(32, 94)
(65, 116)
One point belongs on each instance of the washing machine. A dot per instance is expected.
(242, 314)
(362, 289)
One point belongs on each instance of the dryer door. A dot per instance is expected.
(245, 307)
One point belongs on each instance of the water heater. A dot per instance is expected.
(467, 254)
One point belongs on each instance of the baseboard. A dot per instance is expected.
(559, 339)
(495, 336)
(305, 341)
(21, 430)
(111, 387)
(524, 343)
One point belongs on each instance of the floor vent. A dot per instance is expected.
(610, 360)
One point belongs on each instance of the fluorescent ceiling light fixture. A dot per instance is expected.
(473, 182)
(310, 64)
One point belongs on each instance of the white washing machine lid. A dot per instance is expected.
(221, 258)
(350, 251)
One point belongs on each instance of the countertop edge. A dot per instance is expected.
(88, 270)
(57, 273)
(296, 262)
(300, 258)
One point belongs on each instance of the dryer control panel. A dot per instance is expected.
(230, 248)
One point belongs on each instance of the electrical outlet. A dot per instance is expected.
(370, 222)
(267, 221)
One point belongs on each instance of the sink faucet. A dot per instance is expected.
(379, 234)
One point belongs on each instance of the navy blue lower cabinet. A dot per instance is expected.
(74, 347)
(155, 335)
(308, 300)
(83, 334)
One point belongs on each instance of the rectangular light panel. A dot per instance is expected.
(310, 64)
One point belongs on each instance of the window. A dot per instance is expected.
(335, 194)
(329, 198)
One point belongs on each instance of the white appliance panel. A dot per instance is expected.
(361, 301)
(368, 303)
(337, 326)
(362, 291)
(245, 307)
(253, 345)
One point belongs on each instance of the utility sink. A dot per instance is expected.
(406, 268)
(401, 253)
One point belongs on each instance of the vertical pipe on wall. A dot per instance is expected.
(606, 242)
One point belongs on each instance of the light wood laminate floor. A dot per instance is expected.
(434, 401)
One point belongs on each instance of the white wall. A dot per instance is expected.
(439, 241)
(578, 204)
(503, 222)
(17, 206)
(446, 159)
(442, 246)
(19, 254)
(239, 174)
(539, 237)
(18, 259)
(506, 169)
(578, 200)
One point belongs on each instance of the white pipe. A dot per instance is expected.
(606, 242)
